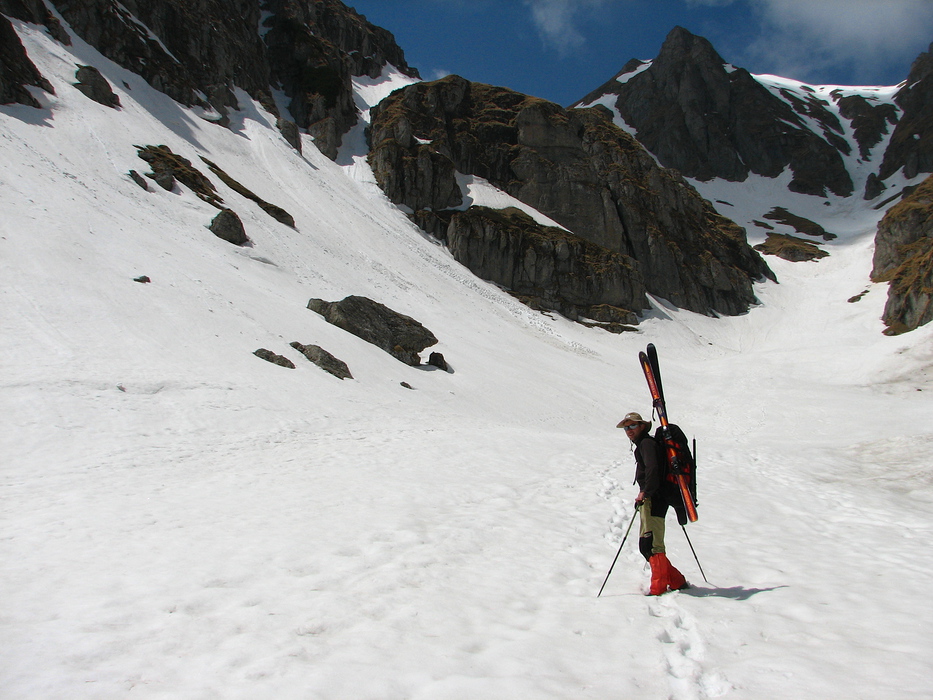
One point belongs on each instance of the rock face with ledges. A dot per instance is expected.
(904, 257)
(574, 166)
(557, 269)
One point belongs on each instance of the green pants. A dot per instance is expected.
(651, 531)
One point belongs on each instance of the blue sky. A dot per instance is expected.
(562, 49)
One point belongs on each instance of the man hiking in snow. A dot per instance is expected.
(652, 503)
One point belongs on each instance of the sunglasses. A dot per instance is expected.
(630, 427)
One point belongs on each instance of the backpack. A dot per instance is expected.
(677, 459)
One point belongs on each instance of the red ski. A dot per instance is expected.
(681, 467)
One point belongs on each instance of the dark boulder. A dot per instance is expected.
(227, 226)
(401, 336)
(95, 86)
(274, 358)
(139, 179)
(436, 359)
(324, 360)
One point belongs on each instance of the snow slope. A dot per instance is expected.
(180, 519)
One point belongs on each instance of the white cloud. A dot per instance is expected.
(437, 74)
(556, 21)
(800, 37)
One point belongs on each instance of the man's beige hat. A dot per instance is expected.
(632, 418)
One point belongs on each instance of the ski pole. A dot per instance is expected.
(694, 552)
(631, 522)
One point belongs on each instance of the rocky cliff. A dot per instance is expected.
(904, 257)
(911, 147)
(576, 167)
(198, 51)
(16, 70)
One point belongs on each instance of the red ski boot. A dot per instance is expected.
(664, 576)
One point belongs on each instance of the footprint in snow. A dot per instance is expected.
(684, 651)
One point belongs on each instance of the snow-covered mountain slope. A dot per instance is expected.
(182, 519)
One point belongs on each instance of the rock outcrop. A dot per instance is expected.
(710, 119)
(790, 248)
(904, 257)
(576, 167)
(95, 86)
(399, 335)
(274, 358)
(227, 226)
(324, 360)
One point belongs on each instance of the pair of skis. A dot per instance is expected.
(680, 465)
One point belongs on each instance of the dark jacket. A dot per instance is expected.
(649, 468)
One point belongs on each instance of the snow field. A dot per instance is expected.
(182, 520)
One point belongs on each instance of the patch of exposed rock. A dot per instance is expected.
(324, 360)
(576, 167)
(399, 335)
(167, 167)
(227, 226)
(790, 248)
(904, 257)
(272, 210)
(274, 358)
(95, 86)
(799, 223)
(709, 119)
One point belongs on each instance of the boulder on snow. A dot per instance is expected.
(401, 336)
(227, 225)
(95, 86)
(790, 248)
(436, 359)
(324, 360)
(275, 359)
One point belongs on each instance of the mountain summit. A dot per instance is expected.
(710, 119)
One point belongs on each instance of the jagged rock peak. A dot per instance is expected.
(681, 44)
(709, 119)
